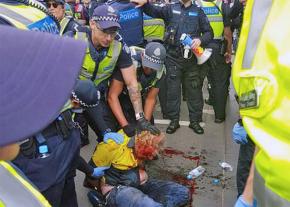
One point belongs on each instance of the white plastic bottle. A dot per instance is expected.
(195, 172)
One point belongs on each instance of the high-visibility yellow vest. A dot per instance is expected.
(63, 24)
(154, 29)
(212, 9)
(106, 66)
(29, 18)
(261, 77)
(16, 191)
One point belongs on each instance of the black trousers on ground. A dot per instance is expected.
(219, 73)
(246, 154)
(177, 70)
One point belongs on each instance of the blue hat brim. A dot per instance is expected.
(38, 73)
(108, 24)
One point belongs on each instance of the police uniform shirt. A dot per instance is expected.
(191, 20)
(146, 81)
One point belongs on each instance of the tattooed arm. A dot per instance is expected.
(130, 78)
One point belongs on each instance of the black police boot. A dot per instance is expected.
(196, 127)
(173, 126)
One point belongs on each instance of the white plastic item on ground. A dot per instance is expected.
(196, 172)
(226, 166)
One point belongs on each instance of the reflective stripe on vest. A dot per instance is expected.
(154, 29)
(27, 17)
(106, 66)
(269, 199)
(214, 15)
(262, 65)
(63, 24)
(16, 191)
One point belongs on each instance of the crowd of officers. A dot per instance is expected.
(110, 94)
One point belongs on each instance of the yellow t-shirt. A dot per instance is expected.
(118, 155)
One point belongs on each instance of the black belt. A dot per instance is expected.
(61, 126)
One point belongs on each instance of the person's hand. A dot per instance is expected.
(139, 3)
(195, 43)
(129, 130)
(144, 125)
(239, 134)
(228, 57)
(242, 203)
(99, 171)
(116, 137)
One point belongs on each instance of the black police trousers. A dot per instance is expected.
(219, 73)
(246, 155)
(179, 69)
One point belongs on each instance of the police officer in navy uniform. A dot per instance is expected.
(131, 20)
(182, 17)
(219, 66)
(67, 23)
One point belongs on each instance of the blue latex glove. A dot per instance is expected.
(239, 134)
(116, 137)
(99, 171)
(242, 203)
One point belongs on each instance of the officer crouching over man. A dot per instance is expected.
(182, 17)
(150, 75)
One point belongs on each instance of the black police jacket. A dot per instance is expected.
(178, 19)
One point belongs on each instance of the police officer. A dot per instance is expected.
(131, 21)
(182, 17)
(219, 68)
(106, 53)
(29, 109)
(67, 23)
(150, 74)
(260, 77)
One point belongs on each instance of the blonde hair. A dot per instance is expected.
(148, 145)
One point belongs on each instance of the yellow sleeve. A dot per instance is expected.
(105, 153)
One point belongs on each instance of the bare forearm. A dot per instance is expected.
(135, 97)
(117, 111)
(149, 108)
(130, 78)
(229, 37)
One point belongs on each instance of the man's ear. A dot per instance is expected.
(92, 24)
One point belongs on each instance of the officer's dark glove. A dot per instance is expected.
(144, 125)
(129, 130)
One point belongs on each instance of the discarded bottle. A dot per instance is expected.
(226, 166)
(196, 172)
(43, 151)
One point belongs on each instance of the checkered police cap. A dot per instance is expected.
(106, 16)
